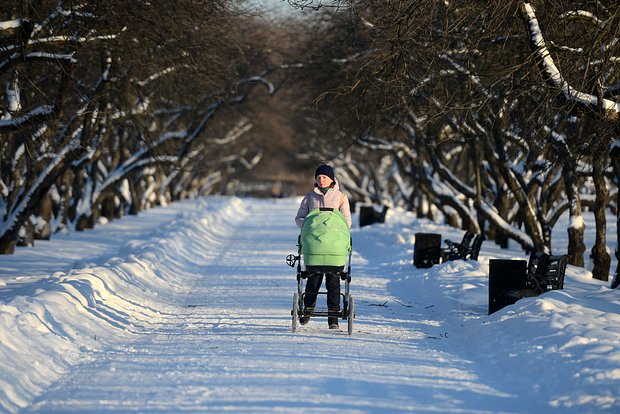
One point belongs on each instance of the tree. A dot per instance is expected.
(107, 93)
(589, 87)
(462, 81)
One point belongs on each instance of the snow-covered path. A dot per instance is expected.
(187, 309)
(227, 345)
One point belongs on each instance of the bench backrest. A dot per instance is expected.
(475, 246)
(545, 272)
(467, 249)
(381, 216)
(536, 263)
(467, 239)
(555, 268)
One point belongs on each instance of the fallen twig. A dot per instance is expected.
(402, 304)
(384, 304)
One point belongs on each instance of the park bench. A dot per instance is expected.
(368, 215)
(511, 280)
(467, 249)
(428, 251)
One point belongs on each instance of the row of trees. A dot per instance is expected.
(497, 116)
(500, 115)
(108, 107)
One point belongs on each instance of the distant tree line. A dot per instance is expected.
(499, 116)
(108, 107)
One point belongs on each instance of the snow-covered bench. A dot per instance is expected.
(511, 280)
(544, 273)
(427, 250)
(467, 249)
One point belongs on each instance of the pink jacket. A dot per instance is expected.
(334, 198)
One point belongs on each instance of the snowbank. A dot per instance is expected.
(59, 321)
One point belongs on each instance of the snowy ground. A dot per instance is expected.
(187, 309)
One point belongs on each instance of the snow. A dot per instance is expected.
(10, 24)
(12, 95)
(187, 309)
(576, 222)
(42, 110)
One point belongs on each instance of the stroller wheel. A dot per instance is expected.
(351, 316)
(295, 312)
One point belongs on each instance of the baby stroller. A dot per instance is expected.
(324, 244)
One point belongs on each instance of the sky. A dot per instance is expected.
(187, 308)
(282, 9)
(273, 8)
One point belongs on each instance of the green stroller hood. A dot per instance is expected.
(325, 238)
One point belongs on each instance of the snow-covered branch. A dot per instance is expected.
(136, 161)
(355, 56)
(262, 80)
(13, 217)
(10, 24)
(237, 131)
(33, 116)
(609, 109)
(520, 236)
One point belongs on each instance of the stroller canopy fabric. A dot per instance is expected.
(325, 238)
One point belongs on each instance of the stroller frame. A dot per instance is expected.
(348, 308)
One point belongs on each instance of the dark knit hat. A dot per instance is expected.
(325, 170)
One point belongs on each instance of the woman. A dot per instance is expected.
(326, 193)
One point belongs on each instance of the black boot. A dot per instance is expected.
(332, 321)
(306, 318)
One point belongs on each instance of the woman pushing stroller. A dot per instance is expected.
(325, 194)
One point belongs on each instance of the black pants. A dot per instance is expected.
(313, 285)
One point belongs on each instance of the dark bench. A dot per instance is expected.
(368, 215)
(511, 280)
(544, 273)
(467, 249)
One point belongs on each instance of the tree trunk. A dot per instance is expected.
(615, 162)
(108, 208)
(452, 219)
(503, 207)
(25, 236)
(530, 221)
(7, 245)
(76, 183)
(602, 259)
(44, 231)
(84, 222)
(576, 228)
(136, 198)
